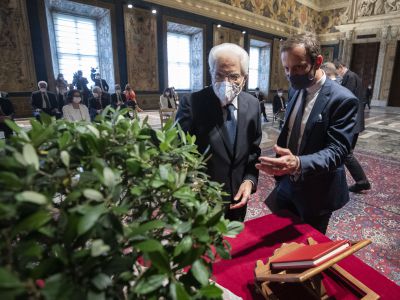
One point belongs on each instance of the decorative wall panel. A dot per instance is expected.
(227, 35)
(278, 77)
(141, 49)
(197, 61)
(17, 71)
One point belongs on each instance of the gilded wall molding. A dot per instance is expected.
(321, 5)
(220, 11)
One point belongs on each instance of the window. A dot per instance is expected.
(76, 41)
(254, 67)
(259, 65)
(178, 47)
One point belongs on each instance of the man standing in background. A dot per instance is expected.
(352, 82)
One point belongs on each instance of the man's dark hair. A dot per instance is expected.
(71, 93)
(308, 40)
(339, 63)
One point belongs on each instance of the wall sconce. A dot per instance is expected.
(219, 26)
(244, 32)
(130, 5)
(153, 11)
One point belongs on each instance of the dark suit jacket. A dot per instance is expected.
(201, 114)
(277, 105)
(37, 102)
(321, 187)
(352, 82)
(105, 100)
(114, 99)
(99, 82)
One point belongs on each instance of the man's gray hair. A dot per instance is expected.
(96, 89)
(228, 48)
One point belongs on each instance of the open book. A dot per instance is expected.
(309, 256)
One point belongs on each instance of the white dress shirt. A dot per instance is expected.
(312, 94)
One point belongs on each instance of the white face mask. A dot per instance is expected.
(43, 90)
(95, 95)
(280, 94)
(226, 91)
(76, 100)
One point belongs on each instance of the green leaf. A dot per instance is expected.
(133, 166)
(101, 281)
(90, 218)
(201, 233)
(98, 248)
(8, 280)
(64, 140)
(200, 272)
(150, 225)
(178, 292)
(96, 296)
(11, 124)
(31, 196)
(30, 156)
(160, 261)
(32, 222)
(184, 227)
(211, 292)
(65, 158)
(149, 246)
(93, 130)
(147, 284)
(109, 177)
(93, 195)
(234, 228)
(184, 246)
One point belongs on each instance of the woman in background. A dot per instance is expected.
(131, 99)
(75, 111)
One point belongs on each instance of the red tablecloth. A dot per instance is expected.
(262, 236)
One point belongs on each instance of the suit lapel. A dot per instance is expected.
(319, 105)
(282, 139)
(241, 124)
(215, 105)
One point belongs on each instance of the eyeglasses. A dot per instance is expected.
(233, 77)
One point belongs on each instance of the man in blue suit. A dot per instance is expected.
(315, 139)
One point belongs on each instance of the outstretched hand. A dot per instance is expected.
(243, 194)
(287, 163)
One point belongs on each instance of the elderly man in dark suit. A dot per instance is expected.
(315, 139)
(43, 100)
(352, 82)
(227, 120)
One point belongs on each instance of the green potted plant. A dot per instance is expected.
(108, 210)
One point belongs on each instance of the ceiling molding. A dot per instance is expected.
(323, 5)
(230, 14)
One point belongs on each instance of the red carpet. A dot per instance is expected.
(374, 215)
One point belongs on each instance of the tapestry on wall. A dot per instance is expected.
(278, 77)
(227, 35)
(141, 49)
(17, 72)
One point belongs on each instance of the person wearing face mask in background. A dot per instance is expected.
(260, 96)
(98, 102)
(279, 107)
(61, 88)
(118, 99)
(226, 121)
(43, 100)
(98, 81)
(315, 139)
(75, 111)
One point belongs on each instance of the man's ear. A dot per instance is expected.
(319, 60)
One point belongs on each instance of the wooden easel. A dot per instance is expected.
(310, 279)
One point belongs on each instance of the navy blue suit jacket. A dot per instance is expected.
(201, 114)
(321, 187)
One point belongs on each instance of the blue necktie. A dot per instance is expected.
(230, 123)
(295, 133)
